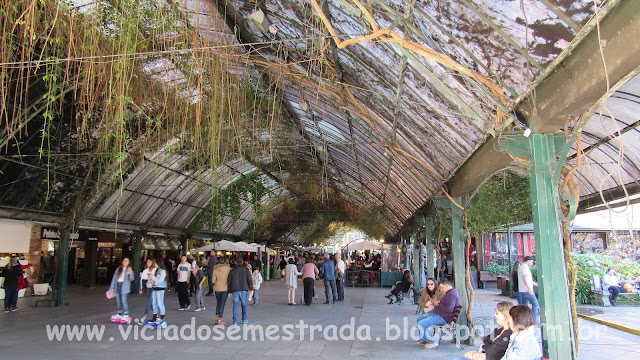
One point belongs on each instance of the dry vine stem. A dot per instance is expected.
(390, 36)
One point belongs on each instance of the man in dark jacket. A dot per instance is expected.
(213, 261)
(240, 283)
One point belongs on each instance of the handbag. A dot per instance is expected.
(110, 294)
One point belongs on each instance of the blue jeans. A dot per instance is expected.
(239, 297)
(149, 307)
(158, 302)
(427, 321)
(340, 288)
(123, 304)
(330, 284)
(535, 307)
(518, 297)
(209, 276)
(11, 297)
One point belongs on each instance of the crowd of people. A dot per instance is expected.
(238, 279)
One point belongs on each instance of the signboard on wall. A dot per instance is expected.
(49, 233)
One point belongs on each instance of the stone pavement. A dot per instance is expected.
(23, 334)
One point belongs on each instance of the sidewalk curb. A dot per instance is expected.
(615, 326)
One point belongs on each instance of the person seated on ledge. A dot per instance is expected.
(611, 282)
(442, 314)
(495, 344)
(401, 286)
(429, 296)
(523, 344)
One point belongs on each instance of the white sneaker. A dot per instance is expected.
(188, 307)
(181, 309)
(198, 309)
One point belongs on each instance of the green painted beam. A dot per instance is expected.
(428, 228)
(62, 270)
(458, 251)
(542, 152)
(552, 276)
(417, 265)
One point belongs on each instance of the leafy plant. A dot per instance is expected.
(496, 269)
(584, 294)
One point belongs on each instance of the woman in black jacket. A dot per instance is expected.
(11, 274)
(401, 286)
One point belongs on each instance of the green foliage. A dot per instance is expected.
(496, 269)
(588, 265)
(584, 294)
(503, 199)
(228, 201)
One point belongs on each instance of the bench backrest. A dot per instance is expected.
(596, 283)
(456, 314)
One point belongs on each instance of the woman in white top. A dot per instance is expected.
(523, 344)
(291, 280)
(146, 282)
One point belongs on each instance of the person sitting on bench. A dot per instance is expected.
(611, 282)
(443, 313)
(401, 286)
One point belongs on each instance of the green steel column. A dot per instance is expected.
(136, 262)
(63, 269)
(428, 226)
(552, 277)
(184, 244)
(458, 240)
(417, 258)
(268, 267)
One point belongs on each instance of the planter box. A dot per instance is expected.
(40, 289)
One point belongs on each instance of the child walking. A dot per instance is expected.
(199, 284)
(257, 280)
(121, 286)
(159, 285)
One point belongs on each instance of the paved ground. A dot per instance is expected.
(24, 332)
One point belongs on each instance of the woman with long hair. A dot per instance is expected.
(428, 296)
(121, 287)
(158, 287)
(146, 282)
(523, 344)
(514, 281)
(11, 273)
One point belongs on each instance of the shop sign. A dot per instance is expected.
(54, 234)
(106, 244)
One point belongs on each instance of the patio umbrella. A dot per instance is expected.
(363, 245)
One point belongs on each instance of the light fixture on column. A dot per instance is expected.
(261, 21)
(527, 132)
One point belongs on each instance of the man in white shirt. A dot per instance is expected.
(340, 274)
(184, 276)
(525, 286)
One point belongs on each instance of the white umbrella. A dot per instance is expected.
(363, 245)
(222, 245)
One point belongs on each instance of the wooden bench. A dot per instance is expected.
(486, 276)
(602, 295)
(451, 328)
